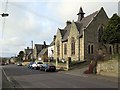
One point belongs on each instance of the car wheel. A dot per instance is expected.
(37, 68)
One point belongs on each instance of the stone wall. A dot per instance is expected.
(108, 68)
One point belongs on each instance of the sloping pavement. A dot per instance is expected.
(80, 72)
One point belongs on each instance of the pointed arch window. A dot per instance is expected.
(65, 48)
(90, 49)
(73, 46)
(100, 33)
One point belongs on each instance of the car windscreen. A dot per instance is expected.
(39, 63)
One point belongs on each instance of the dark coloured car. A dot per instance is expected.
(48, 67)
(3, 63)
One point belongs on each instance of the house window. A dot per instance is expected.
(65, 49)
(58, 49)
(73, 46)
(90, 49)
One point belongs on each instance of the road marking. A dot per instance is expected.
(6, 75)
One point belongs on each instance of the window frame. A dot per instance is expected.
(73, 46)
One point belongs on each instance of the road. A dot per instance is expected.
(22, 77)
(0, 77)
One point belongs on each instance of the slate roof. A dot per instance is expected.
(65, 32)
(86, 20)
(43, 51)
(39, 47)
(84, 23)
(28, 51)
(52, 43)
(62, 31)
(67, 28)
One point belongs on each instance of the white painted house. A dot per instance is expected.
(51, 50)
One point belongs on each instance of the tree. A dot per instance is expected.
(111, 34)
(21, 55)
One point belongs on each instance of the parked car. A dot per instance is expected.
(19, 64)
(47, 67)
(30, 64)
(3, 63)
(36, 65)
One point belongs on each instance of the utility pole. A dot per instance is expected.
(32, 50)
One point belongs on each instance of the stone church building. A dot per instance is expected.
(80, 40)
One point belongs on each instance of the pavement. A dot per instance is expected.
(79, 72)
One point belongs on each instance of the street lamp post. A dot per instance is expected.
(4, 14)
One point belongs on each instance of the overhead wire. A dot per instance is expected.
(4, 19)
(3, 24)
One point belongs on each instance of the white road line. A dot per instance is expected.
(6, 75)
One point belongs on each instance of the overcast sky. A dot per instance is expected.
(38, 20)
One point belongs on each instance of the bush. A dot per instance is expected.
(116, 57)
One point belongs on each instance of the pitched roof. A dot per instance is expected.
(86, 20)
(62, 32)
(43, 51)
(52, 43)
(79, 26)
(27, 51)
(84, 23)
(30, 53)
(39, 47)
(67, 31)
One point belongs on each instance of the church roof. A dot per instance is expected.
(86, 20)
(83, 23)
(79, 24)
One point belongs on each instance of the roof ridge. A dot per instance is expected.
(91, 14)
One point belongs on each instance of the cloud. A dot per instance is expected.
(67, 9)
(11, 46)
(39, 20)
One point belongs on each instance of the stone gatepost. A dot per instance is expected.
(67, 64)
(57, 62)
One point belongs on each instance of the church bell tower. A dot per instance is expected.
(80, 14)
